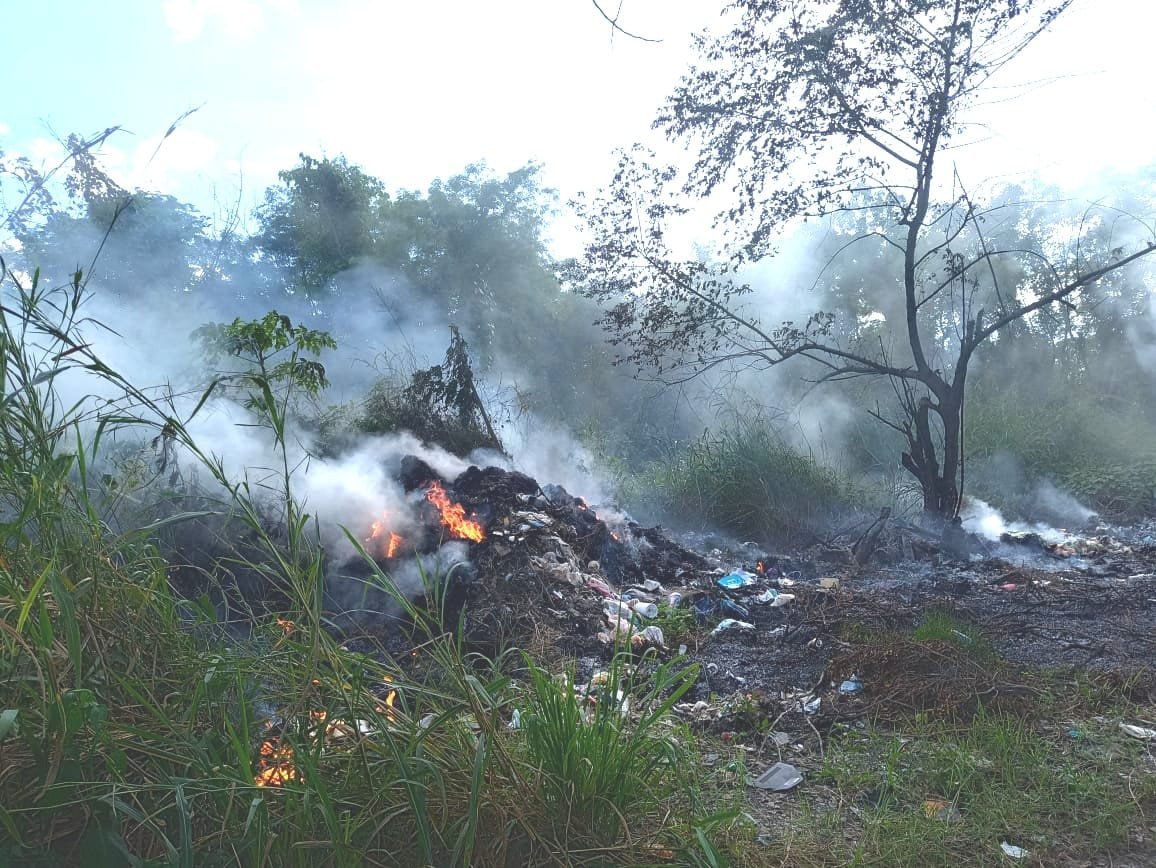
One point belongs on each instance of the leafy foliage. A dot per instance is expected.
(273, 349)
(865, 95)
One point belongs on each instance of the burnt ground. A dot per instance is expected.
(771, 691)
(1027, 619)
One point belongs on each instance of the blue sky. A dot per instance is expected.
(417, 89)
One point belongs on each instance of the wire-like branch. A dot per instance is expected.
(614, 23)
(1057, 295)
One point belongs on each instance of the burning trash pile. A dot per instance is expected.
(521, 555)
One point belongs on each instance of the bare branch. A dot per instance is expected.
(616, 26)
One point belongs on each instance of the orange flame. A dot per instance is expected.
(390, 699)
(392, 541)
(454, 515)
(275, 767)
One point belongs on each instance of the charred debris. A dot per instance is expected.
(515, 563)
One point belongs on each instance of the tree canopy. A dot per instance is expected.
(840, 107)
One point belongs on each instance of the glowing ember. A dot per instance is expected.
(388, 542)
(454, 515)
(275, 766)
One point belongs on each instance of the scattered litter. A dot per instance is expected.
(730, 607)
(851, 685)
(596, 584)
(782, 600)
(738, 579)
(1139, 732)
(827, 584)
(675, 599)
(1009, 586)
(704, 607)
(767, 595)
(727, 624)
(532, 520)
(646, 610)
(617, 609)
(811, 706)
(781, 739)
(515, 720)
(1012, 850)
(652, 585)
(780, 777)
(652, 635)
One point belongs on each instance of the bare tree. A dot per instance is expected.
(808, 110)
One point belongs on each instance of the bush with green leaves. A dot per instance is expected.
(746, 480)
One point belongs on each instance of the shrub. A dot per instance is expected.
(747, 480)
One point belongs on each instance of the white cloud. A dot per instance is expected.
(237, 19)
(42, 150)
(158, 163)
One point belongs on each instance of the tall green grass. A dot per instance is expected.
(132, 727)
(746, 479)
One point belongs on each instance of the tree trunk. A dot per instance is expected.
(938, 482)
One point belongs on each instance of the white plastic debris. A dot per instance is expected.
(811, 705)
(653, 635)
(646, 610)
(782, 600)
(1012, 850)
(1139, 732)
(767, 596)
(780, 777)
(732, 624)
(617, 609)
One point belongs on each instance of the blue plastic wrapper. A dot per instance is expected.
(737, 579)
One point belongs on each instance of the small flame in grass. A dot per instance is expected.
(616, 537)
(388, 542)
(275, 764)
(390, 699)
(761, 568)
(454, 515)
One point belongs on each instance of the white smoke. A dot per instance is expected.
(982, 518)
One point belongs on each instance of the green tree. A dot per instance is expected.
(816, 109)
(323, 218)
